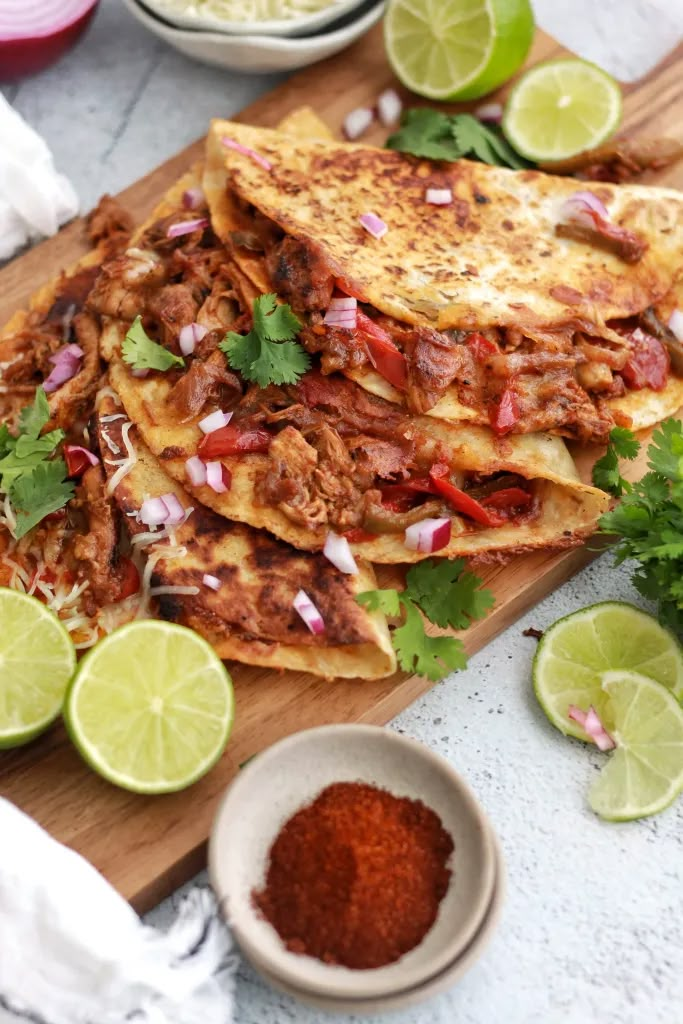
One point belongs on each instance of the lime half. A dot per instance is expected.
(457, 49)
(645, 773)
(151, 707)
(37, 660)
(576, 651)
(560, 108)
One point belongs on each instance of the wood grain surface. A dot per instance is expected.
(147, 846)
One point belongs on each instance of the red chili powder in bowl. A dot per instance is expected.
(356, 877)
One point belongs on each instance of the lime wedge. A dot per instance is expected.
(457, 49)
(577, 650)
(151, 707)
(560, 108)
(37, 660)
(645, 773)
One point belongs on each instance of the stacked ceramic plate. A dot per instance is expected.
(268, 35)
(288, 776)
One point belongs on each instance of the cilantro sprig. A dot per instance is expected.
(447, 596)
(648, 521)
(438, 136)
(35, 483)
(268, 354)
(606, 475)
(140, 352)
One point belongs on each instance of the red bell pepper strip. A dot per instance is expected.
(505, 414)
(231, 440)
(76, 461)
(508, 498)
(480, 347)
(408, 488)
(648, 365)
(386, 358)
(461, 501)
(130, 579)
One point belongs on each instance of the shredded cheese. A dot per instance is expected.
(125, 465)
(106, 392)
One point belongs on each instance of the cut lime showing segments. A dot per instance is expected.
(151, 707)
(645, 773)
(457, 49)
(577, 650)
(37, 660)
(560, 108)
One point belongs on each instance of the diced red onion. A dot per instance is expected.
(308, 612)
(189, 336)
(356, 122)
(341, 312)
(66, 364)
(597, 732)
(676, 323)
(577, 715)
(373, 224)
(428, 535)
(193, 198)
(153, 512)
(584, 208)
(186, 227)
(214, 421)
(90, 456)
(211, 581)
(176, 512)
(389, 107)
(439, 196)
(490, 112)
(139, 373)
(338, 552)
(246, 151)
(196, 471)
(218, 477)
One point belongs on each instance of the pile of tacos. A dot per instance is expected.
(317, 357)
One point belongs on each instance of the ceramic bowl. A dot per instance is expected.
(289, 775)
(259, 54)
(441, 982)
(303, 25)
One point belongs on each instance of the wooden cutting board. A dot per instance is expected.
(148, 846)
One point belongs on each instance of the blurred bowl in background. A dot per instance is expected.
(303, 24)
(33, 37)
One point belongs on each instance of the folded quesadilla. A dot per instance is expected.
(519, 303)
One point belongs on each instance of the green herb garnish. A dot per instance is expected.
(622, 444)
(437, 136)
(268, 354)
(140, 352)
(447, 596)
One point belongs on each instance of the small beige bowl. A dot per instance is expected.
(196, 19)
(289, 775)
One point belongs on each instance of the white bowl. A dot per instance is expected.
(257, 54)
(304, 24)
(289, 775)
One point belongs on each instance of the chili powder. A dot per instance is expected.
(356, 877)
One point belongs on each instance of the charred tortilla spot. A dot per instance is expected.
(173, 451)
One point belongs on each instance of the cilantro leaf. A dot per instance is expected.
(665, 452)
(387, 601)
(606, 475)
(33, 418)
(140, 352)
(476, 139)
(437, 136)
(447, 595)
(34, 496)
(7, 442)
(429, 656)
(268, 354)
(27, 454)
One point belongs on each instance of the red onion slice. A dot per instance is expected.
(189, 336)
(196, 471)
(193, 198)
(584, 208)
(389, 107)
(211, 581)
(153, 512)
(214, 421)
(341, 312)
(309, 613)
(186, 227)
(676, 323)
(246, 151)
(489, 112)
(338, 552)
(373, 224)
(35, 34)
(439, 196)
(218, 477)
(428, 535)
(577, 715)
(356, 122)
(140, 374)
(597, 732)
(90, 456)
(176, 512)
(66, 362)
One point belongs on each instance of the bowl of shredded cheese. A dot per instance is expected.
(246, 17)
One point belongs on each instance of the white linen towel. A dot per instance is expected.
(73, 951)
(34, 199)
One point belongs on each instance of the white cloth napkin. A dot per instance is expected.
(34, 198)
(72, 951)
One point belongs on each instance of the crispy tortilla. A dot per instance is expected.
(251, 618)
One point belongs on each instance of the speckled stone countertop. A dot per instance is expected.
(592, 929)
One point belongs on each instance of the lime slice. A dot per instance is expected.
(577, 650)
(645, 773)
(457, 49)
(37, 660)
(151, 707)
(560, 108)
